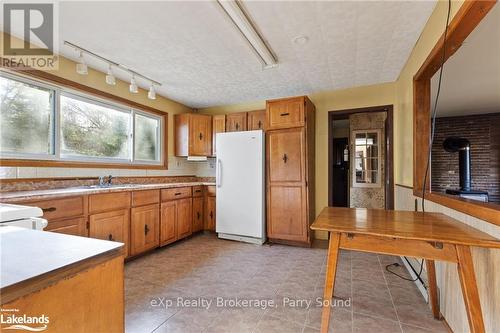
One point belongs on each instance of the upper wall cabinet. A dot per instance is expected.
(193, 134)
(286, 113)
(218, 126)
(236, 122)
(256, 120)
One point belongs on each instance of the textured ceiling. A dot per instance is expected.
(471, 77)
(196, 53)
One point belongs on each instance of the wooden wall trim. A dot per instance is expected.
(54, 79)
(465, 21)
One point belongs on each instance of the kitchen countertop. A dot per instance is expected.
(17, 196)
(31, 258)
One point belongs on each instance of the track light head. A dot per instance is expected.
(152, 92)
(110, 77)
(133, 86)
(81, 66)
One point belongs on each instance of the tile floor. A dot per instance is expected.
(275, 278)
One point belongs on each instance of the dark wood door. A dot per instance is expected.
(236, 122)
(340, 173)
(286, 155)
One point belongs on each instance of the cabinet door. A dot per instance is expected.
(110, 226)
(218, 126)
(200, 136)
(168, 223)
(285, 113)
(184, 218)
(144, 225)
(236, 122)
(197, 214)
(256, 120)
(210, 214)
(286, 155)
(287, 218)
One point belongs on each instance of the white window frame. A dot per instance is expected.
(55, 138)
(379, 162)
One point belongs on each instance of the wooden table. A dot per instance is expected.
(432, 236)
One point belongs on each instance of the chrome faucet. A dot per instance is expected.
(110, 180)
(101, 181)
(104, 183)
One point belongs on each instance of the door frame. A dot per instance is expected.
(389, 147)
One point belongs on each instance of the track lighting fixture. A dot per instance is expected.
(152, 92)
(133, 86)
(110, 77)
(81, 66)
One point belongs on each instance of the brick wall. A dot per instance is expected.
(483, 132)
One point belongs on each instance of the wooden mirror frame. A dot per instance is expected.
(465, 21)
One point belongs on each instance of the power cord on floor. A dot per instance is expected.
(396, 264)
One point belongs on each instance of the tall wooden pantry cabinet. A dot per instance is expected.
(290, 169)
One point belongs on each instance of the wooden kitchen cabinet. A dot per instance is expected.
(193, 134)
(65, 215)
(256, 120)
(236, 122)
(218, 126)
(184, 217)
(99, 203)
(168, 223)
(290, 170)
(210, 214)
(144, 228)
(113, 226)
(287, 112)
(198, 216)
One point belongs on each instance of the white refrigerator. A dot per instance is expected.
(240, 182)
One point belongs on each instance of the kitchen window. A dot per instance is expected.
(41, 122)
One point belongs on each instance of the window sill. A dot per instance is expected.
(487, 211)
(73, 164)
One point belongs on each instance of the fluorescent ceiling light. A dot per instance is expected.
(234, 10)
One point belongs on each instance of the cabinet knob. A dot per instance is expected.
(211, 214)
(259, 124)
(285, 114)
(50, 209)
(285, 158)
(198, 215)
(146, 229)
(110, 237)
(201, 136)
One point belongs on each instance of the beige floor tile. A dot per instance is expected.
(269, 324)
(363, 324)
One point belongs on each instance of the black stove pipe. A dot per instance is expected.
(462, 146)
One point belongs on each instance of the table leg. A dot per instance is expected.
(469, 289)
(433, 294)
(331, 270)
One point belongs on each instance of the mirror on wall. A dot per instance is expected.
(466, 150)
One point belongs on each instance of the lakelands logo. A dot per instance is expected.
(30, 35)
(11, 320)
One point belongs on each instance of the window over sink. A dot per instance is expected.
(45, 122)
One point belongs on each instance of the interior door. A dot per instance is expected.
(200, 135)
(184, 218)
(340, 172)
(144, 225)
(168, 232)
(286, 160)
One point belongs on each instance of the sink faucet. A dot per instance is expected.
(107, 182)
(110, 180)
(101, 180)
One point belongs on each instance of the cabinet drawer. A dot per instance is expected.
(175, 193)
(108, 201)
(73, 226)
(61, 208)
(197, 191)
(211, 191)
(285, 113)
(142, 198)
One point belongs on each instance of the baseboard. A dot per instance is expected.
(418, 282)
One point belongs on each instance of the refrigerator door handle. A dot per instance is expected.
(218, 179)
